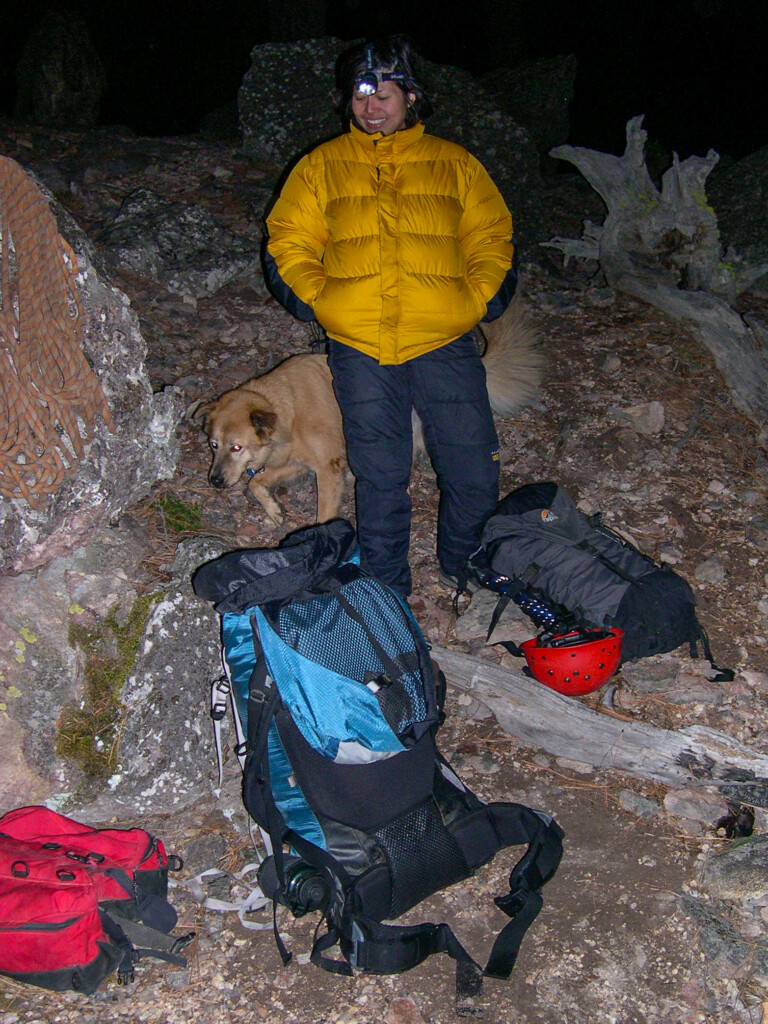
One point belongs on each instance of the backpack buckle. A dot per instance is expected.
(513, 902)
(220, 691)
(355, 957)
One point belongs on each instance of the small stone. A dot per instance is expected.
(751, 929)
(600, 297)
(580, 767)
(611, 364)
(739, 872)
(670, 554)
(484, 764)
(639, 805)
(647, 418)
(474, 622)
(711, 570)
(557, 303)
(690, 687)
(176, 980)
(756, 533)
(701, 805)
(403, 1011)
(751, 498)
(755, 680)
(476, 711)
(650, 674)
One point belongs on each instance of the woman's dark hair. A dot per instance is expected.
(395, 53)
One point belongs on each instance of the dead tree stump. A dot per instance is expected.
(663, 247)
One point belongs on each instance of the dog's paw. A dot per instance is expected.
(269, 505)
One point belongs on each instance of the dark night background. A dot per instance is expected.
(695, 68)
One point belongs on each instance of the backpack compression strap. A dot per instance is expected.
(390, 949)
(722, 675)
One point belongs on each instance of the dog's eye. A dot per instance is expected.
(213, 444)
(236, 448)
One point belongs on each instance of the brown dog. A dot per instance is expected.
(278, 426)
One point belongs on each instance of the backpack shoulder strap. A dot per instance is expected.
(145, 941)
(263, 700)
(514, 824)
(384, 948)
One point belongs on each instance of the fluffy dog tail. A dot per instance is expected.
(514, 361)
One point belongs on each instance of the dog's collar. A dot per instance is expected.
(254, 472)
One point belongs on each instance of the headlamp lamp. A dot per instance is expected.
(367, 84)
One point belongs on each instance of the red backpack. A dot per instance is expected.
(77, 902)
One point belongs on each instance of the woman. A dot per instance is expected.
(399, 243)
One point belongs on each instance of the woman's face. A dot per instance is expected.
(384, 111)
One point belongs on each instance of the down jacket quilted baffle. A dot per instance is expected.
(396, 243)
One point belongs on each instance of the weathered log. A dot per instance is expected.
(565, 727)
(663, 247)
(739, 350)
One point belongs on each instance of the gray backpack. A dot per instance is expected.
(569, 571)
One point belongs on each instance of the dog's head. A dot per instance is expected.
(240, 428)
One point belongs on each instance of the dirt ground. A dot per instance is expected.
(613, 944)
(609, 946)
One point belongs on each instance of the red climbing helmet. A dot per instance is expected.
(574, 663)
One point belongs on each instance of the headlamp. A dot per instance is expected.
(367, 84)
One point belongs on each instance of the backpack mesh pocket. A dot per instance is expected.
(423, 856)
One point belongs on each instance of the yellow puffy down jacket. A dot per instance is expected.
(396, 242)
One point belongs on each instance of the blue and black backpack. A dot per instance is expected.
(341, 703)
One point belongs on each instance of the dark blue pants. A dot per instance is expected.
(447, 389)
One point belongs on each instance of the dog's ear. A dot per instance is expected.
(198, 410)
(263, 423)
